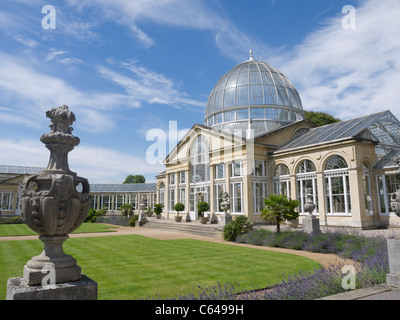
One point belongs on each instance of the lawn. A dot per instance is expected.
(23, 230)
(133, 266)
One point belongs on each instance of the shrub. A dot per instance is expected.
(203, 206)
(11, 220)
(179, 207)
(133, 220)
(158, 207)
(92, 216)
(255, 236)
(241, 224)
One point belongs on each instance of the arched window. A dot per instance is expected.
(336, 162)
(199, 160)
(306, 178)
(337, 186)
(282, 180)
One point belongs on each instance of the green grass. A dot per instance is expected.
(132, 266)
(24, 230)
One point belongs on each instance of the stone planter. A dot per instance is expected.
(158, 215)
(178, 218)
(203, 220)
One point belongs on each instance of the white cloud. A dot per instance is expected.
(98, 165)
(349, 72)
(188, 14)
(34, 92)
(144, 85)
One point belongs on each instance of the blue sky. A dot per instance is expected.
(127, 67)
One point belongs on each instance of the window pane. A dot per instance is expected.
(336, 162)
(242, 114)
(257, 113)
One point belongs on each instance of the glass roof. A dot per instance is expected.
(253, 83)
(120, 188)
(8, 172)
(253, 95)
(383, 127)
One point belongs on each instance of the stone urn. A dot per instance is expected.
(395, 202)
(55, 202)
(310, 221)
(226, 218)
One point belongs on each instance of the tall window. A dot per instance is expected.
(236, 197)
(182, 196)
(171, 178)
(182, 177)
(387, 185)
(260, 168)
(119, 201)
(161, 195)
(219, 171)
(337, 186)
(260, 191)
(199, 161)
(367, 188)
(282, 180)
(171, 200)
(306, 178)
(236, 169)
(105, 202)
(218, 193)
(6, 201)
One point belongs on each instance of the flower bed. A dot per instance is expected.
(369, 252)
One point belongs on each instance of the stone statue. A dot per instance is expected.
(51, 204)
(225, 205)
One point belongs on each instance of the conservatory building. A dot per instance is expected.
(255, 141)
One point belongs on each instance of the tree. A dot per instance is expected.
(202, 207)
(138, 178)
(179, 207)
(320, 118)
(126, 209)
(279, 208)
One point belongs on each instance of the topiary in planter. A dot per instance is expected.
(179, 207)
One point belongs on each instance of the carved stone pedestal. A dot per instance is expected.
(311, 224)
(393, 277)
(84, 289)
(53, 256)
(224, 219)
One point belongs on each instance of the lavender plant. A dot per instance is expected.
(370, 252)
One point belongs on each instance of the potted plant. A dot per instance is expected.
(149, 212)
(178, 208)
(158, 207)
(203, 207)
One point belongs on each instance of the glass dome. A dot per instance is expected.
(253, 95)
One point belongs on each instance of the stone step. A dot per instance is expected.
(185, 227)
